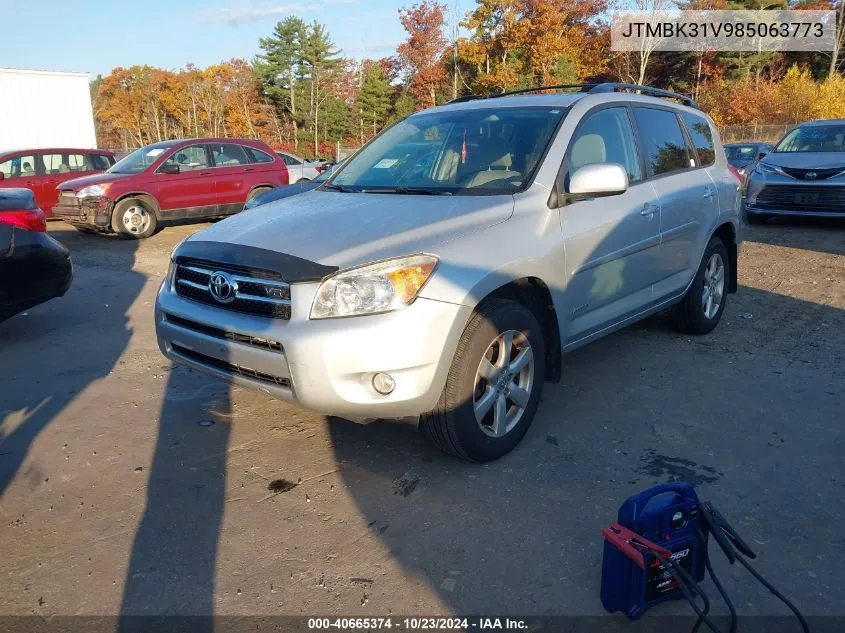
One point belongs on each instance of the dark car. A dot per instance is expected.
(34, 267)
(743, 156)
(171, 180)
(287, 191)
(42, 170)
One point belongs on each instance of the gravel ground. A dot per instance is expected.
(128, 486)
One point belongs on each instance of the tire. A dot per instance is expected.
(756, 218)
(133, 219)
(692, 314)
(453, 426)
(256, 192)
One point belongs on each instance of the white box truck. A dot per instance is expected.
(41, 109)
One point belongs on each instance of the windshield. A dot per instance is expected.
(139, 160)
(466, 152)
(814, 138)
(741, 152)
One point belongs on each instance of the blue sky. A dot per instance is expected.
(95, 36)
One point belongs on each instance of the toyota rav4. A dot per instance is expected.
(445, 268)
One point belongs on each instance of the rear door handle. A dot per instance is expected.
(708, 193)
(250, 169)
(649, 209)
(205, 173)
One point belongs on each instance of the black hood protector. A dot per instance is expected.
(290, 268)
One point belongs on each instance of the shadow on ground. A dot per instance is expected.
(748, 414)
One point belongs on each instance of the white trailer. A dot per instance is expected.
(40, 109)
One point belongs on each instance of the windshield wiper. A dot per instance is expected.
(410, 191)
(333, 187)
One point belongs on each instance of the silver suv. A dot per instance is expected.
(444, 269)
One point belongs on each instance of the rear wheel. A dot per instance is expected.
(701, 309)
(494, 384)
(132, 218)
(257, 192)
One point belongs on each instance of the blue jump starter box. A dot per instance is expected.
(668, 516)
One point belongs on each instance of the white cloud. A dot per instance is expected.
(247, 11)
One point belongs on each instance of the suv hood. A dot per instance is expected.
(806, 160)
(96, 179)
(347, 229)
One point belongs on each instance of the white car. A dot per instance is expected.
(299, 169)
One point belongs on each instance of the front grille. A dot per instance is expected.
(258, 292)
(820, 174)
(800, 198)
(254, 341)
(231, 368)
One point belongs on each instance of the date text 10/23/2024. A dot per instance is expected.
(418, 623)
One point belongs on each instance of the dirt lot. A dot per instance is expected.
(132, 487)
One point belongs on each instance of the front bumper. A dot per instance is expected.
(93, 213)
(323, 365)
(777, 195)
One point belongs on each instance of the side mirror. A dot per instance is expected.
(169, 168)
(596, 181)
(761, 154)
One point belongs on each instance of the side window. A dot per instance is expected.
(257, 156)
(189, 158)
(605, 136)
(665, 148)
(100, 161)
(79, 162)
(55, 163)
(228, 155)
(290, 160)
(702, 137)
(18, 167)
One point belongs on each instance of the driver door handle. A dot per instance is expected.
(649, 209)
(708, 193)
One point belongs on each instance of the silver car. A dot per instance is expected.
(299, 169)
(803, 176)
(445, 268)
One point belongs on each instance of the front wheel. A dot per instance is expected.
(701, 308)
(494, 384)
(133, 219)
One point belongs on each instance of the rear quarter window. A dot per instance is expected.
(702, 138)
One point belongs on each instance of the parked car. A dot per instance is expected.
(42, 170)
(286, 191)
(803, 176)
(442, 270)
(743, 156)
(34, 267)
(170, 180)
(300, 169)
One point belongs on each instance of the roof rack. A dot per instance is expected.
(588, 88)
(645, 90)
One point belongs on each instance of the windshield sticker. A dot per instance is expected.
(386, 163)
(155, 152)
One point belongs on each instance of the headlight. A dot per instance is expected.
(381, 287)
(765, 168)
(93, 191)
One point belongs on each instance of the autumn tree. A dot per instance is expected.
(420, 56)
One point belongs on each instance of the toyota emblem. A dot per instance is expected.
(810, 175)
(222, 287)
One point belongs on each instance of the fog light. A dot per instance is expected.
(383, 383)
